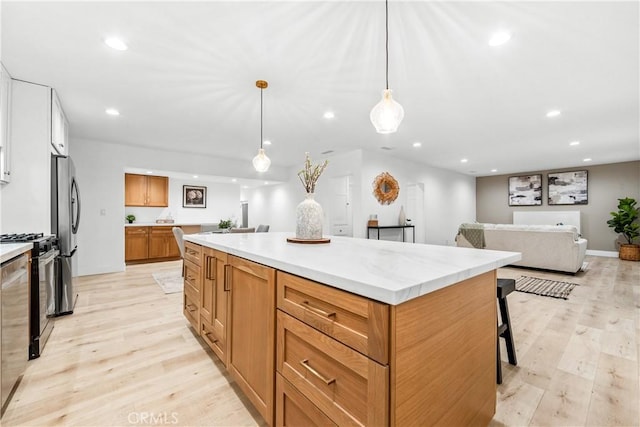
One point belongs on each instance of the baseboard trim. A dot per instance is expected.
(608, 254)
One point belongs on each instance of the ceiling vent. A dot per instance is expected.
(386, 148)
(327, 152)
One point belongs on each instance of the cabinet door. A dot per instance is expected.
(213, 310)
(157, 191)
(5, 120)
(136, 243)
(252, 333)
(135, 190)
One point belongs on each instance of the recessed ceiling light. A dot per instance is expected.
(112, 112)
(574, 143)
(328, 115)
(245, 186)
(266, 142)
(149, 172)
(195, 176)
(266, 183)
(116, 43)
(234, 180)
(586, 160)
(464, 160)
(499, 38)
(417, 144)
(494, 170)
(554, 113)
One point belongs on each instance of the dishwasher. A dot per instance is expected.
(14, 314)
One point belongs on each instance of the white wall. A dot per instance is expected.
(449, 197)
(26, 200)
(223, 202)
(100, 170)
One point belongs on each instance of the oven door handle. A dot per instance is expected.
(49, 256)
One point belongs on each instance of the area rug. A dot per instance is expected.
(170, 281)
(544, 287)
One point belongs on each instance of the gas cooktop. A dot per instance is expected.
(18, 238)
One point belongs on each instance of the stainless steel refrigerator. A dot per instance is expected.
(65, 219)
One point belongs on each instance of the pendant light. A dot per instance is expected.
(261, 162)
(387, 114)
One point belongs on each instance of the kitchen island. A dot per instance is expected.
(353, 332)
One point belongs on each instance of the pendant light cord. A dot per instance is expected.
(386, 15)
(261, 89)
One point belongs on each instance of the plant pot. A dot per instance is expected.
(130, 221)
(629, 252)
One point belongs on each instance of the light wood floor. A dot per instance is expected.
(127, 357)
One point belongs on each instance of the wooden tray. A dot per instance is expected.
(308, 241)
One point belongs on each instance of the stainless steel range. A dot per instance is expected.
(41, 288)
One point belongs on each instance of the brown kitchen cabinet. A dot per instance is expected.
(150, 244)
(162, 243)
(146, 190)
(136, 243)
(215, 301)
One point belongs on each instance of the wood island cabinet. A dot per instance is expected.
(251, 361)
(308, 354)
(215, 301)
(146, 190)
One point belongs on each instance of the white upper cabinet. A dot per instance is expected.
(59, 126)
(5, 128)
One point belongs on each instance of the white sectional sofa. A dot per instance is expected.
(550, 247)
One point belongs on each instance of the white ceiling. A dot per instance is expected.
(187, 81)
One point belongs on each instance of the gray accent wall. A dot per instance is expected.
(606, 184)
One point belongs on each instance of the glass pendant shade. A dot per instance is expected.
(261, 162)
(387, 114)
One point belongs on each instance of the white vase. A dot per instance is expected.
(309, 218)
(402, 218)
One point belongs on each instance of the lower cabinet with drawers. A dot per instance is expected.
(307, 354)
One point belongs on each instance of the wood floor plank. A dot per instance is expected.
(128, 353)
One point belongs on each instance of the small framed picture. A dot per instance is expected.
(568, 188)
(525, 190)
(194, 196)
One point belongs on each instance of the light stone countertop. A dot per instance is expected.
(390, 272)
(10, 250)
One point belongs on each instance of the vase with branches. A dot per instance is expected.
(309, 214)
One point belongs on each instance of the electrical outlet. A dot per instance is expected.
(103, 212)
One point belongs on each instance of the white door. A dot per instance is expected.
(415, 212)
(339, 209)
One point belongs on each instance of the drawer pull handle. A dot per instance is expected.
(208, 335)
(227, 277)
(191, 307)
(317, 310)
(305, 364)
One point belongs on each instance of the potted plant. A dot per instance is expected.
(625, 221)
(225, 223)
(130, 218)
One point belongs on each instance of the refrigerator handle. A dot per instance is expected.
(75, 199)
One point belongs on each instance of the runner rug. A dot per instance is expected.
(170, 282)
(544, 287)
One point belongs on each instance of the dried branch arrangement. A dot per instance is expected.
(310, 174)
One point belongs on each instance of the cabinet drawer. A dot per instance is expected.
(358, 322)
(293, 409)
(136, 230)
(347, 386)
(191, 310)
(192, 252)
(192, 278)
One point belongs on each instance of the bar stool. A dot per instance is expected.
(505, 287)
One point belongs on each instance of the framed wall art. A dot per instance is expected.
(567, 188)
(525, 190)
(194, 196)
